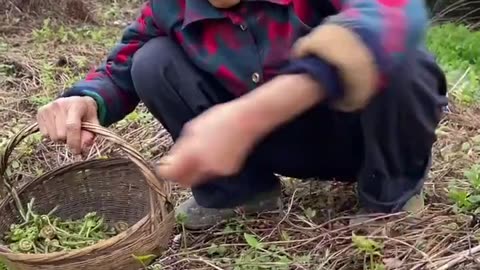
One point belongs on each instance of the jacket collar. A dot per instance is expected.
(197, 10)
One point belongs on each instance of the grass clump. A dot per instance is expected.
(63, 34)
(262, 256)
(456, 48)
(467, 199)
(371, 251)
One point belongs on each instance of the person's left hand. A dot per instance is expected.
(214, 144)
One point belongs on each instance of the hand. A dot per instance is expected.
(217, 142)
(214, 144)
(61, 121)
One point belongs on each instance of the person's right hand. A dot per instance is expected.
(61, 121)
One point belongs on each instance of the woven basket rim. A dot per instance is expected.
(62, 255)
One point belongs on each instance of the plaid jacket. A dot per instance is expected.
(251, 43)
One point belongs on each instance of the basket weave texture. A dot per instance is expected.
(121, 189)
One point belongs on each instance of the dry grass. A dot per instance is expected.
(38, 61)
(80, 10)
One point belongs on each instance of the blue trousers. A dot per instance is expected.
(385, 148)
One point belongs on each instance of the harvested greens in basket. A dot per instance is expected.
(48, 233)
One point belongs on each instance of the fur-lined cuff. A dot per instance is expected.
(223, 3)
(343, 48)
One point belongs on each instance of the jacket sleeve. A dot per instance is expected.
(360, 45)
(111, 83)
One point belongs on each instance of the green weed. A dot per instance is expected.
(371, 250)
(39, 101)
(467, 199)
(262, 256)
(3, 46)
(63, 34)
(145, 260)
(25, 149)
(139, 117)
(7, 70)
(112, 12)
(47, 77)
(155, 266)
(456, 48)
(216, 250)
(53, 79)
(118, 12)
(234, 228)
(181, 219)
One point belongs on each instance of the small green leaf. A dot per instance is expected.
(228, 229)
(145, 259)
(465, 146)
(38, 172)
(474, 199)
(310, 213)
(181, 218)
(366, 245)
(8, 172)
(285, 236)
(252, 241)
(303, 259)
(217, 250)
(3, 266)
(284, 260)
(460, 197)
(15, 164)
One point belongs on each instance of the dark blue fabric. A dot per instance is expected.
(326, 74)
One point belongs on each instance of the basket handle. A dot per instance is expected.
(156, 184)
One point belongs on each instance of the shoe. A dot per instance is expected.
(197, 217)
(413, 206)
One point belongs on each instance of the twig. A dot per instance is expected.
(460, 257)
(284, 217)
(459, 80)
(207, 263)
(2, 108)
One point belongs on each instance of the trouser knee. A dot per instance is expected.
(399, 131)
(155, 80)
(149, 63)
(171, 86)
(413, 102)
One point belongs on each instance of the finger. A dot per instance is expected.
(87, 140)
(179, 168)
(87, 137)
(60, 126)
(41, 123)
(73, 128)
(50, 126)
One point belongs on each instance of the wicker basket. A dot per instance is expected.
(120, 189)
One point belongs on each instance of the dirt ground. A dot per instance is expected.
(40, 57)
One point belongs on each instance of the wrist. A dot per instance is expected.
(90, 101)
(97, 101)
